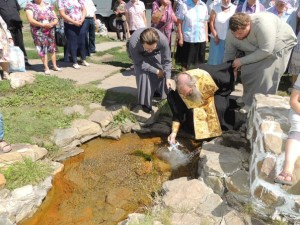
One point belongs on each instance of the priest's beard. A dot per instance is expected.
(195, 96)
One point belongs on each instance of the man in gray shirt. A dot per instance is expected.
(150, 52)
(267, 43)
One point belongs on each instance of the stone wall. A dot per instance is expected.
(267, 130)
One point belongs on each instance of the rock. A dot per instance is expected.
(219, 160)
(114, 133)
(215, 183)
(233, 218)
(63, 137)
(268, 197)
(118, 215)
(239, 183)
(86, 127)
(199, 198)
(119, 197)
(74, 109)
(95, 106)
(266, 169)
(19, 79)
(22, 192)
(186, 219)
(143, 117)
(127, 126)
(101, 117)
(67, 154)
(2, 181)
(273, 143)
(5, 221)
(133, 218)
(20, 151)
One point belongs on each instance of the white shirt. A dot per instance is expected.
(90, 8)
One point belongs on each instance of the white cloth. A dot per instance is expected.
(90, 8)
(222, 19)
(257, 8)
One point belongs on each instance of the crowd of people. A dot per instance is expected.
(250, 39)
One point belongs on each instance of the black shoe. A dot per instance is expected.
(146, 109)
(92, 51)
(28, 64)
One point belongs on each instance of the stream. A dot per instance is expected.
(112, 179)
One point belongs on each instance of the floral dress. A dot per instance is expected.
(43, 38)
(73, 8)
(4, 44)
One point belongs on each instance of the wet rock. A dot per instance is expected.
(144, 168)
(63, 137)
(20, 79)
(20, 151)
(68, 153)
(2, 181)
(119, 197)
(118, 215)
(219, 160)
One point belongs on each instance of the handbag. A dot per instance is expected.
(16, 59)
(60, 37)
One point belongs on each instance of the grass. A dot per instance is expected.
(26, 172)
(123, 116)
(34, 111)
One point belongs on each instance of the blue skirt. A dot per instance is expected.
(216, 52)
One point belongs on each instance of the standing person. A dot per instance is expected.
(73, 13)
(90, 20)
(9, 11)
(135, 13)
(193, 33)
(283, 10)
(267, 42)
(4, 146)
(5, 41)
(219, 22)
(250, 6)
(163, 17)
(149, 50)
(119, 10)
(292, 147)
(43, 19)
(294, 66)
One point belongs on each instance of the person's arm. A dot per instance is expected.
(83, 11)
(294, 100)
(212, 26)
(230, 49)
(265, 34)
(180, 33)
(7, 32)
(144, 18)
(166, 59)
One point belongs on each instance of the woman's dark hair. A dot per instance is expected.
(149, 36)
(239, 21)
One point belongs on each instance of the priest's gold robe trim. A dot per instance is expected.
(206, 121)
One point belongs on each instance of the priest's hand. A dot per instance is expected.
(160, 73)
(172, 138)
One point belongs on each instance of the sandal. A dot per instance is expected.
(286, 178)
(5, 147)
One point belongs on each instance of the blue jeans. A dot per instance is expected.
(90, 34)
(1, 128)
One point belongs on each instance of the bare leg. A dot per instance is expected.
(294, 78)
(53, 59)
(45, 62)
(292, 151)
